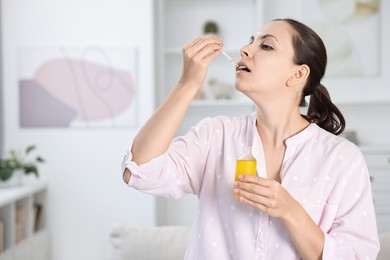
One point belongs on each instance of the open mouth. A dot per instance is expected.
(244, 68)
(241, 66)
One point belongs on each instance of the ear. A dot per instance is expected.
(299, 76)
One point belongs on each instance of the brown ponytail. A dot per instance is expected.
(323, 112)
(309, 49)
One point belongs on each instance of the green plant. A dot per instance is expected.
(19, 161)
(210, 27)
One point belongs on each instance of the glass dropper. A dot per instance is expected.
(229, 58)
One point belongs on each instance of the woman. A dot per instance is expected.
(311, 197)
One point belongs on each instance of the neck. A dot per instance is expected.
(278, 121)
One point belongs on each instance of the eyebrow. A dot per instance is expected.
(265, 36)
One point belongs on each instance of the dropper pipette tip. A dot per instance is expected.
(229, 58)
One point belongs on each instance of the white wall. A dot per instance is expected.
(86, 194)
(1, 93)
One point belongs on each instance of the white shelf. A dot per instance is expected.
(179, 22)
(378, 162)
(10, 195)
(22, 211)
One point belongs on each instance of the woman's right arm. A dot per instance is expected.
(156, 135)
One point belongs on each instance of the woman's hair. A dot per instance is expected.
(309, 49)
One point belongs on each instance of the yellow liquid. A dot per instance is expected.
(245, 167)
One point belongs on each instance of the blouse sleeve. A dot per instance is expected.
(178, 171)
(353, 234)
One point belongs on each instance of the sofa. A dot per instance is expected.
(169, 243)
(384, 253)
(148, 243)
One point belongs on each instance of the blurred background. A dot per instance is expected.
(79, 78)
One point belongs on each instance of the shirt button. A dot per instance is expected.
(263, 228)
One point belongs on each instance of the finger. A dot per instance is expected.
(251, 202)
(212, 55)
(258, 206)
(191, 44)
(256, 179)
(254, 188)
(204, 55)
(201, 43)
(200, 38)
(210, 51)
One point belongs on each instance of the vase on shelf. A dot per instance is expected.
(15, 180)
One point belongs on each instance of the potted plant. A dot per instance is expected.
(210, 27)
(17, 164)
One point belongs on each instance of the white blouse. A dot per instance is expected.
(325, 173)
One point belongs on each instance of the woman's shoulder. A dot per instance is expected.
(336, 143)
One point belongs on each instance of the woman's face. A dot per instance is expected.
(267, 61)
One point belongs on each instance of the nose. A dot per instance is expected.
(244, 51)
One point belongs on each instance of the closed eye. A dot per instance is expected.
(266, 47)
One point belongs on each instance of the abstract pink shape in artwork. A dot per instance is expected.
(94, 91)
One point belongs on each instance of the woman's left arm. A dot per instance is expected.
(270, 197)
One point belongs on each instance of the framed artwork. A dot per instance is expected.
(88, 86)
(350, 30)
